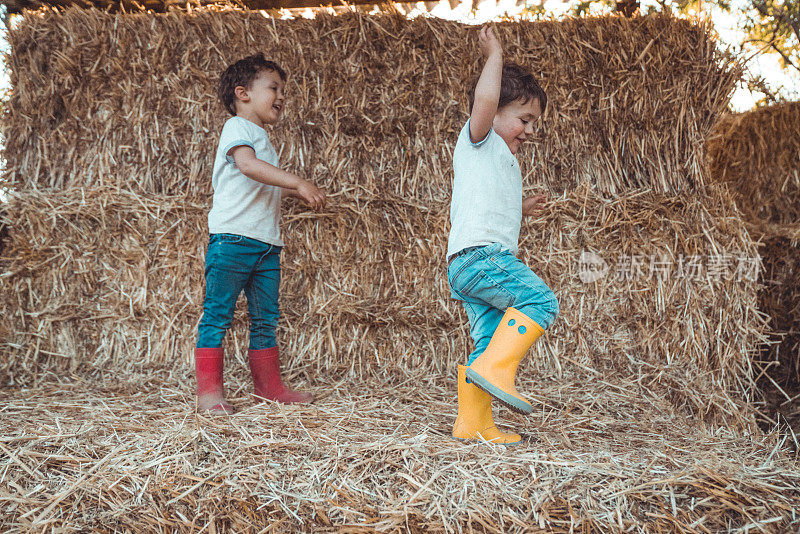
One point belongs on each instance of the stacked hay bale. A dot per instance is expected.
(110, 137)
(757, 155)
(133, 103)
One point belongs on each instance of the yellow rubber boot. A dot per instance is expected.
(474, 419)
(494, 370)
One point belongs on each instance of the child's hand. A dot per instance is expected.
(488, 42)
(530, 205)
(312, 194)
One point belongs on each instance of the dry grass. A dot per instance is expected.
(597, 457)
(758, 154)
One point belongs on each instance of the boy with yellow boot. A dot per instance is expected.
(508, 306)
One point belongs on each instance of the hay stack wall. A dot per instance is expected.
(757, 155)
(110, 137)
(129, 101)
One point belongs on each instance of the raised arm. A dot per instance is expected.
(261, 171)
(487, 90)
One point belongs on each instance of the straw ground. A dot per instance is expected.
(599, 455)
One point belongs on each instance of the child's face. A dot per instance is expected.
(263, 101)
(514, 122)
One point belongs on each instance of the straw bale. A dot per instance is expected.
(780, 299)
(159, 6)
(124, 456)
(101, 279)
(757, 154)
(128, 100)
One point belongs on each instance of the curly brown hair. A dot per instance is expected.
(242, 73)
(517, 83)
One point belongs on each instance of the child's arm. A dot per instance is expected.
(487, 90)
(261, 171)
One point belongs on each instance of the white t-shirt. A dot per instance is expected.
(487, 194)
(241, 205)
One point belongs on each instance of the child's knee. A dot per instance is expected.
(553, 304)
(549, 308)
(542, 307)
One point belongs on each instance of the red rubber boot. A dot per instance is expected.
(210, 392)
(265, 367)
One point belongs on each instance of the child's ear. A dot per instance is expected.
(241, 93)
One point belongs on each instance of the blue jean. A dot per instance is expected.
(235, 263)
(488, 280)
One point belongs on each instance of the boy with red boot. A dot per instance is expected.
(508, 306)
(245, 242)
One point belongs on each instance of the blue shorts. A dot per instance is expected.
(487, 280)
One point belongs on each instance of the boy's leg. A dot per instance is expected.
(496, 278)
(474, 419)
(227, 271)
(225, 276)
(483, 321)
(261, 291)
(484, 301)
(532, 296)
(262, 300)
(501, 280)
